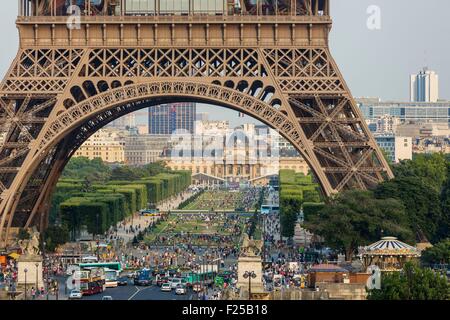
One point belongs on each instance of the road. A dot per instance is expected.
(131, 292)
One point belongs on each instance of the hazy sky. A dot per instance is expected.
(375, 63)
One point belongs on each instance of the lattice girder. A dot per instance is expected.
(55, 96)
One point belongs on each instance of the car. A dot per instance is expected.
(175, 282)
(75, 294)
(131, 275)
(162, 280)
(166, 287)
(107, 298)
(122, 281)
(180, 289)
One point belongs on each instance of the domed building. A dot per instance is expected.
(389, 254)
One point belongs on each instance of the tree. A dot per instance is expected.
(438, 254)
(55, 236)
(444, 226)
(152, 169)
(86, 186)
(356, 218)
(413, 283)
(82, 167)
(421, 200)
(430, 167)
(288, 217)
(23, 234)
(127, 173)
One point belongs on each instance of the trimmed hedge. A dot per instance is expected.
(112, 202)
(295, 190)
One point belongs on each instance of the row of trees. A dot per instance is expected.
(414, 206)
(296, 190)
(99, 201)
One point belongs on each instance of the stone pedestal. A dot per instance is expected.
(250, 264)
(33, 265)
(301, 236)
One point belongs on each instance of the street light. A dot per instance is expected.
(37, 279)
(46, 265)
(25, 271)
(250, 275)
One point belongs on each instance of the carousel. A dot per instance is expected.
(389, 254)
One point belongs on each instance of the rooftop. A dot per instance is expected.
(327, 268)
(390, 246)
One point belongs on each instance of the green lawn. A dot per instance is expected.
(216, 200)
(174, 225)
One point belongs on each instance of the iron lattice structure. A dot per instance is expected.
(65, 84)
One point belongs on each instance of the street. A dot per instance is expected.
(131, 292)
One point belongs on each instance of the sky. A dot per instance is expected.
(375, 63)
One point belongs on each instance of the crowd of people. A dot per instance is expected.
(219, 200)
(8, 275)
(272, 228)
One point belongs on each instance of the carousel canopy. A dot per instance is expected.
(390, 246)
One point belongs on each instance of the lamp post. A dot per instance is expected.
(25, 272)
(37, 279)
(250, 275)
(46, 266)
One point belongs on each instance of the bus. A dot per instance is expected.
(92, 281)
(105, 265)
(111, 278)
(269, 209)
(89, 259)
(144, 277)
(150, 212)
(207, 278)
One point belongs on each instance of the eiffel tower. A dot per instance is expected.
(84, 63)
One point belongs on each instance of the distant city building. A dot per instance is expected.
(372, 124)
(423, 130)
(202, 116)
(106, 144)
(211, 127)
(142, 129)
(167, 118)
(397, 148)
(387, 124)
(424, 86)
(257, 173)
(406, 112)
(145, 149)
(128, 120)
(217, 153)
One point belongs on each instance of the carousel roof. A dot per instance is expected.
(390, 245)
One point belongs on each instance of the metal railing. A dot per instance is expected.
(118, 8)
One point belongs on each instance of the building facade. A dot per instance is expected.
(424, 86)
(254, 173)
(106, 144)
(127, 121)
(166, 118)
(406, 112)
(387, 124)
(397, 148)
(144, 149)
(247, 153)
